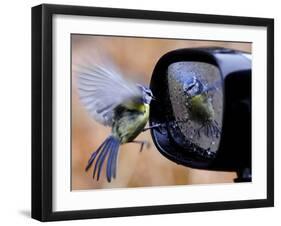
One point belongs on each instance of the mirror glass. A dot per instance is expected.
(195, 92)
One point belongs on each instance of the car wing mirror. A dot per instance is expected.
(202, 112)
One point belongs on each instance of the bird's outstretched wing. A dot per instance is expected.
(102, 88)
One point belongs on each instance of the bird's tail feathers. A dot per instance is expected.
(108, 149)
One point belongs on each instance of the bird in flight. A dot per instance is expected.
(116, 102)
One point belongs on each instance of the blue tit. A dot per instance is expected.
(115, 102)
(199, 105)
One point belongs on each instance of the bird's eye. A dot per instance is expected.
(190, 87)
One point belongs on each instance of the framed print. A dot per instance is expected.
(146, 112)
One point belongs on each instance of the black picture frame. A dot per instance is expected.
(42, 107)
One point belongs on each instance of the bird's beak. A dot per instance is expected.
(154, 98)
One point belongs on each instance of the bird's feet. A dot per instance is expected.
(142, 143)
(159, 127)
(210, 129)
(152, 127)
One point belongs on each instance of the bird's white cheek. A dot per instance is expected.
(149, 99)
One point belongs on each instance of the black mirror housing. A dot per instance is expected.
(234, 149)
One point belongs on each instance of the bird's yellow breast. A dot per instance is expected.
(130, 121)
(201, 108)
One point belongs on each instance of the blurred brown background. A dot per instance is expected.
(136, 57)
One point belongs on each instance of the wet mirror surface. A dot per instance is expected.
(196, 97)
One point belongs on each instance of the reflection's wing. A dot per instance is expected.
(213, 87)
(101, 89)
